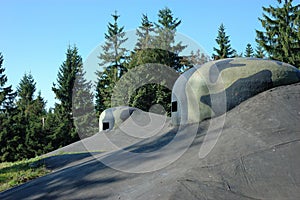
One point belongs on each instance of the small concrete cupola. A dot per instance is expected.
(215, 87)
(114, 117)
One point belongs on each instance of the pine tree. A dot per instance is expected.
(249, 51)
(83, 107)
(165, 31)
(11, 141)
(50, 122)
(7, 95)
(65, 131)
(25, 90)
(145, 34)
(161, 50)
(197, 58)
(31, 112)
(103, 91)
(161, 47)
(225, 50)
(281, 36)
(259, 52)
(113, 59)
(36, 137)
(8, 132)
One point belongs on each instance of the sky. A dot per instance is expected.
(35, 34)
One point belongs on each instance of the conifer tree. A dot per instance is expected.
(31, 112)
(281, 38)
(259, 52)
(249, 51)
(50, 122)
(7, 95)
(11, 141)
(8, 126)
(113, 58)
(224, 50)
(65, 130)
(161, 49)
(197, 58)
(37, 141)
(165, 30)
(145, 34)
(26, 90)
(83, 107)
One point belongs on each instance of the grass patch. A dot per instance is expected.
(75, 152)
(16, 173)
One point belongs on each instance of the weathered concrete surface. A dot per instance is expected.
(256, 157)
(115, 116)
(223, 84)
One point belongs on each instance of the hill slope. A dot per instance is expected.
(255, 157)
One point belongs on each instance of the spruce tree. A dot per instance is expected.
(259, 52)
(50, 122)
(155, 46)
(65, 132)
(37, 140)
(31, 112)
(281, 36)
(196, 58)
(113, 58)
(8, 126)
(224, 50)
(249, 51)
(7, 95)
(152, 93)
(83, 106)
(11, 137)
(165, 30)
(26, 90)
(144, 34)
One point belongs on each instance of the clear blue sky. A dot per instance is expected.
(35, 34)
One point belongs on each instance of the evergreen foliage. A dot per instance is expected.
(83, 106)
(249, 51)
(196, 58)
(151, 93)
(259, 52)
(30, 115)
(25, 91)
(28, 130)
(113, 57)
(165, 31)
(156, 46)
(281, 38)
(65, 132)
(7, 95)
(224, 50)
(145, 34)
(8, 126)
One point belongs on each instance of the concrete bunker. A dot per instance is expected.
(215, 87)
(114, 117)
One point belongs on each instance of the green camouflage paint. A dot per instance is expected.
(215, 87)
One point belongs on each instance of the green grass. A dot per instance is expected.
(16, 173)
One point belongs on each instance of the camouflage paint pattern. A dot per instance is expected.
(215, 87)
(115, 116)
